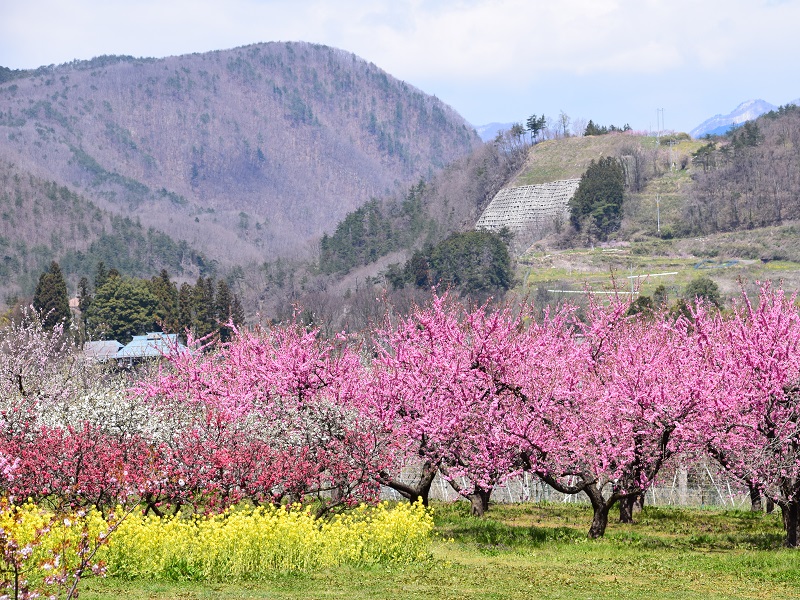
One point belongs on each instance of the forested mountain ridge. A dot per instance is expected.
(41, 221)
(246, 154)
(750, 178)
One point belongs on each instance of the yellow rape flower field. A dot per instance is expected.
(242, 545)
(389, 551)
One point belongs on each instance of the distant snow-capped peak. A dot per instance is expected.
(719, 124)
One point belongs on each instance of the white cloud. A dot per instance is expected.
(441, 44)
(418, 37)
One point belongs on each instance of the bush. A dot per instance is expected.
(705, 289)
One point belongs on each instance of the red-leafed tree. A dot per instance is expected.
(68, 426)
(270, 415)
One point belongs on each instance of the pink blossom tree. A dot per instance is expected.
(434, 392)
(753, 425)
(272, 414)
(600, 405)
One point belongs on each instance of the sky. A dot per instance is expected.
(612, 61)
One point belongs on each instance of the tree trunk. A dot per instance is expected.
(770, 506)
(629, 506)
(425, 483)
(755, 498)
(478, 498)
(626, 507)
(421, 490)
(479, 501)
(599, 521)
(600, 506)
(638, 503)
(791, 522)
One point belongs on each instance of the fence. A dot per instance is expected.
(700, 484)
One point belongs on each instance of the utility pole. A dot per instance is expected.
(672, 165)
(658, 213)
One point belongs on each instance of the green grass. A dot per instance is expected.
(541, 551)
(742, 252)
(568, 158)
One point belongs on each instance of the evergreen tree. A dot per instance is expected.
(121, 309)
(660, 296)
(593, 129)
(100, 275)
(51, 299)
(203, 307)
(417, 270)
(597, 203)
(535, 125)
(166, 293)
(223, 303)
(84, 301)
(703, 288)
(237, 311)
(185, 309)
(476, 263)
(84, 296)
(642, 305)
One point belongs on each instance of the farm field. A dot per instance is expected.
(733, 262)
(541, 551)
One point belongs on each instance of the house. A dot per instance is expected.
(152, 345)
(102, 350)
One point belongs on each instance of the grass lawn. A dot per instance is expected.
(541, 551)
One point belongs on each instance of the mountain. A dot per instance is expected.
(41, 221)
(489, 131)
(244, 155)
(720, 124)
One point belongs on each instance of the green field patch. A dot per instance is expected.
(541, 551)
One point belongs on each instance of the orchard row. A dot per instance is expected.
(593, 402)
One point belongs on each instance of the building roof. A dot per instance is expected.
(152, 345)
(102, 349)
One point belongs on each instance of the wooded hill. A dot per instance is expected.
(40, 220)
(745, 183)
(243, 154)
(426, 214)
(749, 178)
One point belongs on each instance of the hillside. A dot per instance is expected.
(568, 158)
(367, 251)
(244, 154)
(729, 211)
(449, 202)
(751, 178)
(78, 234)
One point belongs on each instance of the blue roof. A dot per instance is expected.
(152, 345)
